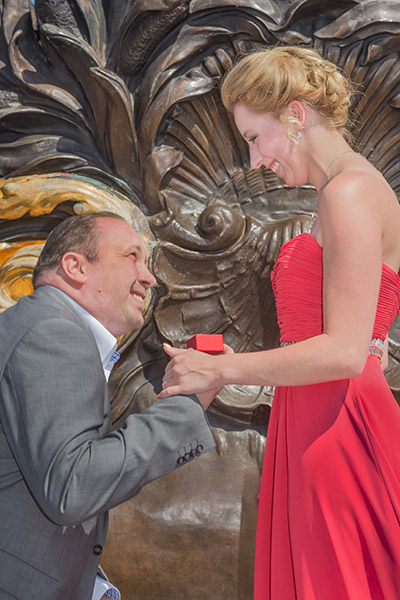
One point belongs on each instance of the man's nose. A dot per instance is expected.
(147, 278)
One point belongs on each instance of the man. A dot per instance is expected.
(61, 467)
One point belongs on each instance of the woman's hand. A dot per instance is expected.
(192, 372)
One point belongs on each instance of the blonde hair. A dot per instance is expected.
(267, 80)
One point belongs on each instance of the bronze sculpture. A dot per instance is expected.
(116, 105)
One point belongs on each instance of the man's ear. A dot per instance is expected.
(74, 266)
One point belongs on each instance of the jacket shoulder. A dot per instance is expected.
(43, 305)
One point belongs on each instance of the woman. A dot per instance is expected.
(328, 523)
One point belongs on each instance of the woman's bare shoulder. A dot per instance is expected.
(360, 188)
(363, 199)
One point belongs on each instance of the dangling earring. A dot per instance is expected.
(294, 136)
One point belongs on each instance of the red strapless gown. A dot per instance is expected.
(329, 510)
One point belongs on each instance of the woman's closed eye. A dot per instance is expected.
(253, 139)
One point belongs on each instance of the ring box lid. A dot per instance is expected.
(210, 343)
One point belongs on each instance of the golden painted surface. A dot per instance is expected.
(41, 194)
(17, 261)
(8, 249)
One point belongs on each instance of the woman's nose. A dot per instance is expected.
(255, 157)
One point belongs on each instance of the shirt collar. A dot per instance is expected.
(106, 342)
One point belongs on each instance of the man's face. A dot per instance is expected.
(117, 281)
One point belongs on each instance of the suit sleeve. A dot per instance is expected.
(53, 412)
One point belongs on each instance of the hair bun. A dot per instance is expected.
(269, 79)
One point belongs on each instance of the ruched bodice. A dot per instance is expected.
(297, 284)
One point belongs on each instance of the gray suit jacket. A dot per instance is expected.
(61, 468)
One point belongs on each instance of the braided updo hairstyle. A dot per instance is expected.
(267, 80)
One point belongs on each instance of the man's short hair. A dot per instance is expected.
(75, 234)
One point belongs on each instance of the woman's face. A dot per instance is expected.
(268, 143)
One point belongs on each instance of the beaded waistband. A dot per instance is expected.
(376, 347)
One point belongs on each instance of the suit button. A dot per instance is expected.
(193, 454)
(181, 460)
(97, 550)
(199, 449)
(187, 456)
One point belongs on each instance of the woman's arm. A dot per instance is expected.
(351, 226)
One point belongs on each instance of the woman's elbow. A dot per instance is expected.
(354, 363)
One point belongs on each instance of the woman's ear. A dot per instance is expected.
(74, 266)
(295, 115)
(297, 111)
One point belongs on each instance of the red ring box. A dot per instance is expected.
(204, 342)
